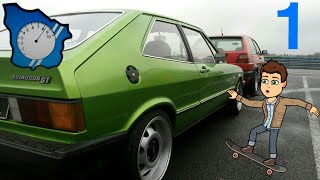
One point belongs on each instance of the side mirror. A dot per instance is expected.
(264, 52)
(220, 57)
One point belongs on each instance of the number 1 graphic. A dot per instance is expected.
(292, 13)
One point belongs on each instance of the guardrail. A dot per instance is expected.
(298, 63)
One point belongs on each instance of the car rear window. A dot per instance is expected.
(228, 44)
(82, 26)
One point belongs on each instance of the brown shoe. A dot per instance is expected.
(247, 149)
(270, 162)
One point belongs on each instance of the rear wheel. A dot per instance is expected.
(150, 145)
(269, 172)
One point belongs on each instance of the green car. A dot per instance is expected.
(125, 74)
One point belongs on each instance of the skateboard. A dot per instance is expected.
(254, 157)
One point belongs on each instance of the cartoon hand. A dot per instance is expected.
(314, 111)
(232, 93)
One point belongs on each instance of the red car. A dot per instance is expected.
(244, 52)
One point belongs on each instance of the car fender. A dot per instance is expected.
(238, 77)
(148, 105)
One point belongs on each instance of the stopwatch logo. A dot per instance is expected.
(36, 40)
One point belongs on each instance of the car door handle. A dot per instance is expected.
(204, 69)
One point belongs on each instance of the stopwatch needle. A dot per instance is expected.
(39, 36)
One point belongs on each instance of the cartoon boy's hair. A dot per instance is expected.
(273, 66)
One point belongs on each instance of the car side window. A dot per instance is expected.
(252, 47)
(198, 45)
(211, 46)
(165, 41)
(257, 47)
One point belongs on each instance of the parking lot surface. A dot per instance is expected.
(201, 152)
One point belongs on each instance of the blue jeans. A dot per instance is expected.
(272, 138)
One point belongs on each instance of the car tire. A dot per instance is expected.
(254, 85)
(150, 145)
(234, 105)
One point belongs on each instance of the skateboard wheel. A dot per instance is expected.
(235, 155)
(269, 172)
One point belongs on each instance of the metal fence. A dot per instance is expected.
(298, 63)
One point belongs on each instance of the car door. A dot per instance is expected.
(255, 56)
(261, 57)
(170, 72)
(214, 81)
(227, 71)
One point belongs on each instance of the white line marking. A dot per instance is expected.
(313, 75)
(300, 90)
(31, 63)
(39, 62)
(54, 27)
(305, 73)
(314, 128)
(59, 31)
(305, 83)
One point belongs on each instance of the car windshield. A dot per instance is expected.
(228, 44)
(82, 26)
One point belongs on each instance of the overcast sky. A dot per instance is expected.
(256, 18)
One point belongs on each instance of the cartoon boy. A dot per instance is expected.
(273, 80)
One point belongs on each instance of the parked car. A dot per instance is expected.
(125, 74)
(245, 52)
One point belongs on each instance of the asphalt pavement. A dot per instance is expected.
(201, 152)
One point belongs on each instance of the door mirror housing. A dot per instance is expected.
(264, 52)
(220, 57)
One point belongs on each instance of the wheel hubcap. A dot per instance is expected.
(256, 83)
(155, 149)
(239, 91)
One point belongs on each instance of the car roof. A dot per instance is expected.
(134, 11)
(231, 36)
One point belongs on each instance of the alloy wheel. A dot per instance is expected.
(239, 91)
(154, 149)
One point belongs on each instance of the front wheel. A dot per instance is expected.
(150, 145)
(235, 106)
(254, 85)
